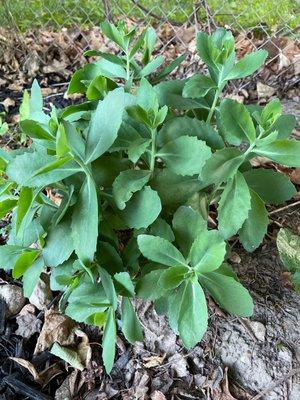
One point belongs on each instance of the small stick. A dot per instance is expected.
(284, 208)
(276, 383)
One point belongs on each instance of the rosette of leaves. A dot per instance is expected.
(93, 196)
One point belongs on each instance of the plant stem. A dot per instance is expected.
(211, 111)
(153, 150)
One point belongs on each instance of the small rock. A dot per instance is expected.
(259, 330)
(235, 258)
(13, 297)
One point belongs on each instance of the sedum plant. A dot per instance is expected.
(116, 196)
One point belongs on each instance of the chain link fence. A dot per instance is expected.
(72, 25)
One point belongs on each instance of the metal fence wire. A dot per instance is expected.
(269, 24)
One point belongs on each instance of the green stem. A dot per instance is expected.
(153, 150)
(211, 111)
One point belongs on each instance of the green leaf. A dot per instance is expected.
(24, 203)
(146, 96)
(59, 243)
(185, 155)
(109, 258)
(32, 275)
(105, 123)
(36, 98)
(161, 228)
(35, 130)
(237, 122)
(152, 66)
(160, 250)
(149, 43)
(39, 169)
(169, 68)
(25, 106)
(192, 319)
(234, 206)
(112, 32)
(221, 166)
(109, 341)
(284, 125)
(207, 252)
(228, 293)
(285, 152)
(172, 277)
(175, 189)
(179, 126)
(9, 255)
(270, 113)
(62, 146)
(131, 326)
(6, 206)
(124, 285)
(187, 224)
(273, 187)
(198, 86)
(85, 221)
(143, 209)
(170, 93)
(127, 183)
(248, 65)
(137, 148)
(255, 226)
(69, 356)
(108, 287)
(147, 286)
(24, 262)
(288, 246)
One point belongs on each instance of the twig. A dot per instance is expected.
(285, 207)
(276, 383)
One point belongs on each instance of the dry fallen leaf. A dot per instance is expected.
(57, 328)
(157, 395)
(42, 295)
(67, 390)
(8, 102)
(154, 361)
(30, 367)
(264, 91)
(28, 323)
(295, 176)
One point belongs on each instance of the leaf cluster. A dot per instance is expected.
(114, 194)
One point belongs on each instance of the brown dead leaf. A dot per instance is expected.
(50, 373)
(42, 295)
(68, 388)
(153, 361)
(30, 367)
(28, 323)
(295, 176)
(264, 91)
(84, 349)
(8, 102)
(222, 392)
(57, 328)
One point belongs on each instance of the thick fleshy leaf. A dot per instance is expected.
(6, 206)
(198, 86)
(147, 286)
(179, 126)
(170, 93)
(24, 262)
(123, 284)
(109, 258)
(273, 187)
(248, 65)
(31, 276)
(39, 169)
(221, 166)
(207, 252)
(108, 287)
(234, 206)
(192, 318)
(59, 243)
(284, 125)
(85, 221)
(228, 293)
(236, 122)
(109, 341)
(152, 66)
(285, 152)
(255, 226)
(172, 277)
(127, 183)
(187, 224)
(24, 203)
(175, 189)
(160, 250)
(185, 155)
(143, 209)
(105, 123)
(131, 326)
(161, 228)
